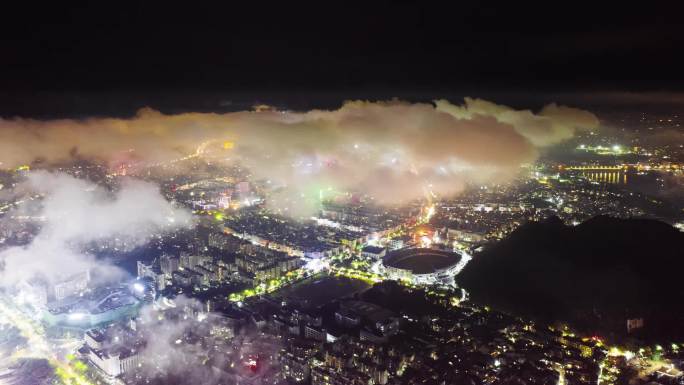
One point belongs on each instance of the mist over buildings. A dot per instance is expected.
(392, 150)
(74, 213)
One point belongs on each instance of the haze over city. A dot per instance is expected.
(392, 193)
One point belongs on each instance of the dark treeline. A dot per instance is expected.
(594, 276)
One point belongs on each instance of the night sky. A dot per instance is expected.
(110, 59)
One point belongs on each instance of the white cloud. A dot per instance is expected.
(77, 212)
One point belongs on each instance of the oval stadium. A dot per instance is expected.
(422, 266)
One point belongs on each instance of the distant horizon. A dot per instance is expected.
(124, 104)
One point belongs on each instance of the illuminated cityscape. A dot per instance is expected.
(214, 194)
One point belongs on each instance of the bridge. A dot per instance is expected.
(602, 174)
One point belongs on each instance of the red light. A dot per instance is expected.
(252, 363)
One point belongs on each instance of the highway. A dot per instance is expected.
(68, 371)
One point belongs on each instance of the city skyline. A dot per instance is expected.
(337, 194)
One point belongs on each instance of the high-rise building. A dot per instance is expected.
(188, 260)
(145, 289)
(153, 272)
(223, 201)
(109, 350)
(169, 264)
(143, 269)
(242, 189)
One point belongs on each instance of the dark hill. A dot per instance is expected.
(595, 275)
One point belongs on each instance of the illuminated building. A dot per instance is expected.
(114, 362)
(225, 242)
(98, 307)
(144, 289)
(277, 268)
(187, 260)
(113, 350)
(154, 273)
(182, 278)
(243, 189)
(398, 243)
(224, 202)
(422, 266)
(222, 327)
(168, 264)
(374, 253)
(634, 324)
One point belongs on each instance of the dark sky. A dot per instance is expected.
(69, 59)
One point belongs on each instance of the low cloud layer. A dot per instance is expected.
(551, 125)
(393, 150)
(76, 213)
